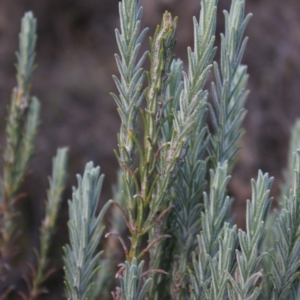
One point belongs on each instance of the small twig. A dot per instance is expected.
(118, 205)
(155, 271)
(150, 245)
(123, 267)
(125, 167)
(160, 148)
(163, 213)
(117, 295)
(128, 169)
(120, 239)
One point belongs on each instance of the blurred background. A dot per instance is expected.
(75, 62)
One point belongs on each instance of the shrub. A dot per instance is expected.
(171, 195)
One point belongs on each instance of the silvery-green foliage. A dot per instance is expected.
(26, 54)
(129, 85)
(221, 263)
(244, 283)
(112, 252)
(103, 281)
(161, 57)
(21, 127)
(146, 193)
(133, 286)
(228, 92)
(24, 111)
(216, 208)
(289, 173)
(85, 231)
(171, 102)
(294, 146)
(129, 40)
(57, 183)
(186, 222)
(117, 220)
(274, 216)
(161, 252)
(193, 99)
(191, 179)
(188, 126)
(268, 248)
(172, 166)
(139, 195)
(285, 257)
(166, 196)
(189, 119)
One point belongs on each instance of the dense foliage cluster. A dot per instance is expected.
(171, 196)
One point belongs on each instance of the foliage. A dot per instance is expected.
(85, 230)
(57, 184)
(171, 196)
(21, 126)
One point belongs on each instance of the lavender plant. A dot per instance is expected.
(85, 230)
(172, 195)
(285, 255)
(21, 126)
(21, 129)
(190, 180)
(246, 275)
(164, 197)
(216, 207)
(57, 184)
(228, 93)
